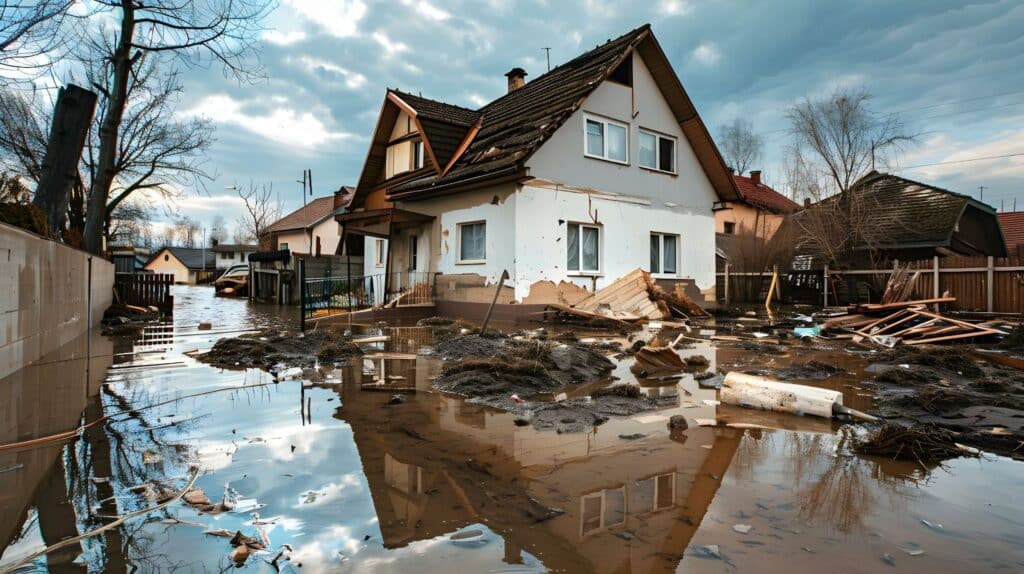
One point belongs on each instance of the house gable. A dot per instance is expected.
(642, 106)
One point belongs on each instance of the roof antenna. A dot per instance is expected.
(548, 52)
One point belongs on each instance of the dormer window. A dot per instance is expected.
(403, 156)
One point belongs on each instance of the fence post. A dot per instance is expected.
(935, 277)
(302, 295)
(825, 277)
(727, 265)
(990, 287)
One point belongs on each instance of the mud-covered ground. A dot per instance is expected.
(273, 350)
(949, 388)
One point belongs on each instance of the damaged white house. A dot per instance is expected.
(569, 181)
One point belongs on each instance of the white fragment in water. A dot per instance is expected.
(706, 422)
(913, 551)
(742, 528)
(932, 525)
(712, 402)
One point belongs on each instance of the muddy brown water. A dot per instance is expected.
(437, 484)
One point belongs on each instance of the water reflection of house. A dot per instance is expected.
(436, 464)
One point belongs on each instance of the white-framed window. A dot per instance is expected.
(657, 152)
(378, 252)
(417, 154)
(602, 509)
(583, 248)
(472, 242)
(664, 253)
(606, 139)
(282, 246)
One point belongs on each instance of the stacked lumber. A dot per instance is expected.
(632, 298)
(906, 322)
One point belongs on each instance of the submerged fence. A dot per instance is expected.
(991, 284)
(326, 296)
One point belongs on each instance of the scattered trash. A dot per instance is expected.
(205, 326)
(888, 559)
(923, 443)
(396, 400)
(467, 536)
(763, 393)
(633, 436)
(913, 551)
(706, 422)
(932, 525)
(742, 528)
(807, 331)
(677, 422)
(710, 551)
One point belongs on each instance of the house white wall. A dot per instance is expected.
(626, 224)
(223, 261)
(561, 158)
(297, 241)
(328, 231)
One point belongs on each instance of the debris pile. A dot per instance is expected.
(922, 443)
(121, 320)
(630, 299)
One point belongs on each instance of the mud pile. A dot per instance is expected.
(269, 348)
(941, 386)
(490, 369)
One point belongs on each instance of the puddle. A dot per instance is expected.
(351, 483)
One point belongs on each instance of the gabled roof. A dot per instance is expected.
(190, 257)
(917, 219)
(511, 128)
(761, 196)
(1012, 223)
(305, 217)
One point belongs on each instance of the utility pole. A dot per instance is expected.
(548, 52)
(981, 193)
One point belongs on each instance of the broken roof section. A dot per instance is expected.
(497, 139)
(917, 220)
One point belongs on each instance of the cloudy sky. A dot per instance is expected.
(952, 69)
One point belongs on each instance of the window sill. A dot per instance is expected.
(661, 171)
(584, 274)
(605, 159)
(472, 262)
(666, 275)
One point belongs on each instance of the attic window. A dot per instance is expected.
(623, 74)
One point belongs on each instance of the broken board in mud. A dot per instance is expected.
(627, 296)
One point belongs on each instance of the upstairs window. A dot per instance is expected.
(664, 253)
(583, 248)
(729, 228)
(657, 152)
(417, 154)
(606, 139)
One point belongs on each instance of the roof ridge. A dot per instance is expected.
(401, 93)
(876, 175)
(636, 31)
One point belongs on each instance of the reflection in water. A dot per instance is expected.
(354, 484)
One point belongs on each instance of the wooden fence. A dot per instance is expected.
(992, 284)
(145, 289)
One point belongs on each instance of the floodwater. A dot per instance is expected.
(435, 484)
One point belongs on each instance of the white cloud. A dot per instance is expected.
(353, 80)
(477, 99)
(338, 17)
(707, 54)
(389, 46)
(283, 125)
(942, 148)
(676, 7)
(284, 38)
(429, 10)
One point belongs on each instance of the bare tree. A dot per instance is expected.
(218, 230)
(12, 190)
(129, 223)
(741, 147)
(23, 126)
(190, 32)
(843, 136)
(262, 208)
(29, 29)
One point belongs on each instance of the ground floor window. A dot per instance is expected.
(583, 248)
(664, 253)
(472, 242)
(413, 251)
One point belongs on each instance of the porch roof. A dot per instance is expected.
(377, 222)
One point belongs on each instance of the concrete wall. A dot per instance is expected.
(44, 296)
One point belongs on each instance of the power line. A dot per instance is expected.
(951, 102)
(959, 161)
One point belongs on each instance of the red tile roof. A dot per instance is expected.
(1012, 223)
(763, 197)
(304, 217)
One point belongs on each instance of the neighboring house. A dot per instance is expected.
(884, 216)
(311, 229)
(229, 254)
(594, 169)
(188, 265)
(759, 209)
(1012, 224)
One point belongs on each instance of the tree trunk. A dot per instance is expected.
(71, 119)
(106, 170)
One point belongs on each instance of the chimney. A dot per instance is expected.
(516, 79)
(807, 202)
(755, 176)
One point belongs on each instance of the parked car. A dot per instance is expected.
(234, 282)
